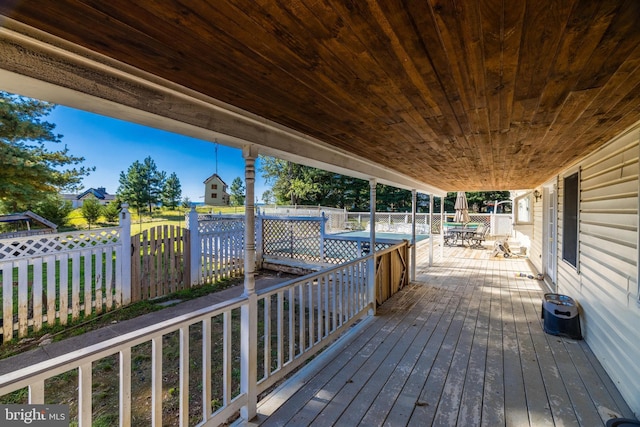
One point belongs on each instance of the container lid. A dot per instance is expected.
(559, 299)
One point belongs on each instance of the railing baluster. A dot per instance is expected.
(125, 387)
(84, 390)
(280, 326)
(227, 358)
(312, 325)
(36, 393)
(206, 369)
(327, 314)
(292, 319)
(302, 315)
(319, 305)
(334, 297)
(156, 381)
(267, 336)
(184, 376)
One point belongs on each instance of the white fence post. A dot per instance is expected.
(196, 255)
(125, 262)
(323, 222)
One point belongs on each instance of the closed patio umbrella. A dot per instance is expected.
(462, 208)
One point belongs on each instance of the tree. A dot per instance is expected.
(171, 192)
(91, 211)
(111, 211)
(142, 184)
(268, 197)
(53, 208)
(237, 192)
(30, 168)
(186, 203)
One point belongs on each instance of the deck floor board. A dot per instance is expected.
(462, 345)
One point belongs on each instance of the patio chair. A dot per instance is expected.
(449, 238)
(479, 236)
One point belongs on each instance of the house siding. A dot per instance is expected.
(605, 281)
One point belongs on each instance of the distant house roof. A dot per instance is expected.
(28, 216)
(100, 193)
(215, 175)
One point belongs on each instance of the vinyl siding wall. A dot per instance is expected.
(605, 280)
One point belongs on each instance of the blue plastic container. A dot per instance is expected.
(561, 316)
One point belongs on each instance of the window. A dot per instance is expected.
(214, 186)
(523, 212)
(570, 204)
(214, 195)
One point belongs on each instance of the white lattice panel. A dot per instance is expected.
(298, 239)
(221, 225)
(25, 247)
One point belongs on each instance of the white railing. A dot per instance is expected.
(300, 317)
(400, 222)
(324, 305)
(48, 278)
(335, 217)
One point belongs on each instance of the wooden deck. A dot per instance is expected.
(462, 346)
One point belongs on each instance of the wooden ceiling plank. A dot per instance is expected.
(600, 102)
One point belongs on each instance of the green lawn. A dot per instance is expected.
(146, 221)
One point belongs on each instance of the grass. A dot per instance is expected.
(88, 323)
(160, 216)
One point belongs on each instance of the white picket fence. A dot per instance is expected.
(59, 276)
(220, 241)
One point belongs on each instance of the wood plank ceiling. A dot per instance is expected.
(462, 95)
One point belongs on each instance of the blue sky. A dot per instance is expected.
(113, 145)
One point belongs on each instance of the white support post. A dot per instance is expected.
(414, 203)
(195, 247)
(441, 227)
(249, 311)
(430, 222)
(125, 262)
(372, 246)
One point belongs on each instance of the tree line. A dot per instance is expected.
(293, 184)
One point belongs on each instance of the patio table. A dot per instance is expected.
(463, 234)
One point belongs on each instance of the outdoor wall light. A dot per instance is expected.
(537, 195)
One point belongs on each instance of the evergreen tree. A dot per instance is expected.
(172, 192)
(111, 211)
(142, 185)
(91, 211)
(132, 189)
(237, 192)
(186, 203)
(53, 208)
(30, 168)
